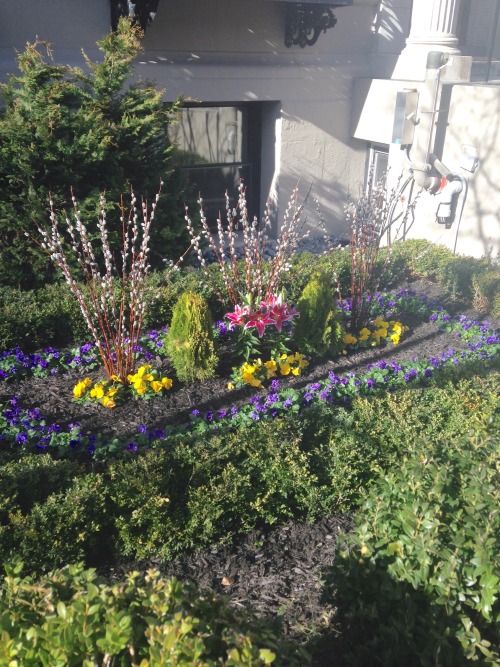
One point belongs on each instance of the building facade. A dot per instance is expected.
(279, 92)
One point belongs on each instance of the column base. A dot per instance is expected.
(411, 64)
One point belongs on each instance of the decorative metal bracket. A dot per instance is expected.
(305, 23)
(143, 11)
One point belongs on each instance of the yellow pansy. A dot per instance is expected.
(285, 368)
(349, 339)
(380, 322)
(140, 386)
(364, 334)
(97, 391)
(156, 386)
(248, 368)
(166, 383)
(108, 402)
(81, 387)
(397, 327)
(249, 379)
(379, 333)
(271, 369)
(230, 385)
(302, 362)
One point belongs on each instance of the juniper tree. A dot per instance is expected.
(85, 129)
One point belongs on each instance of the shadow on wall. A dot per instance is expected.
(391, 25)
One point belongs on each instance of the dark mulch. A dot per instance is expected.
(276, 571)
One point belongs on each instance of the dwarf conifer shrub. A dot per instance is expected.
(318, 330)
(190, 342)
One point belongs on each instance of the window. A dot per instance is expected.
(216, 147)
(479, 36)
(377, 165)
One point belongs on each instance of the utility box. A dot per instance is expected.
(405, 115)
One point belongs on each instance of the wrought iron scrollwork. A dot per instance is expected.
(306, 22)
(143, 11)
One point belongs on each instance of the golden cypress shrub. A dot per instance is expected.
(190, 341)
(318, 330)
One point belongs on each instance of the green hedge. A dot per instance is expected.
(200, 490)
(417, 583)
(51, 315)
(456, 273)
(72, 618)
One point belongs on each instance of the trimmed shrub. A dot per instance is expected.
(38, 318)
(455, 272)
(32, 480)
(74, 618)
(198, 490)
(207, 489)
(190, 341)
(417, 582)
(486, 288)
(51, 315)
(458, 274)
(76, 524)
(318, 330)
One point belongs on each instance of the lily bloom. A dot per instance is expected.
(259, 319)
(239, 316)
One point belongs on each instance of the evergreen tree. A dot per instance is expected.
(66, 127)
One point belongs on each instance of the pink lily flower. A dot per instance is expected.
(280, 312)
(283, 314)
(239, 316)
(259, 319)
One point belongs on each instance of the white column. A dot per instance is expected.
(433, 25)
(433, 28)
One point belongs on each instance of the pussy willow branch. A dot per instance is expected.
(115, 323)
(260, 278)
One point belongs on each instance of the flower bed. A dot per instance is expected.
(34, 429)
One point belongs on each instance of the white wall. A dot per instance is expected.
(230, 51)
(233, 50)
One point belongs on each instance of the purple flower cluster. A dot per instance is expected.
(15, 363)
(24, 427)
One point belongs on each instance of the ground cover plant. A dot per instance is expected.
(151, 482)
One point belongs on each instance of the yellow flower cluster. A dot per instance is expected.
(146, 382)
(148, 378)
(104, 391)
(256, 372)
(382, 331)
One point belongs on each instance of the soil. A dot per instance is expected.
(277, 572)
